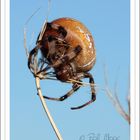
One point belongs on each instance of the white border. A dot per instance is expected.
(5, 68)
(5, 65)
(132, 69)
(137, 70)
(134, 78)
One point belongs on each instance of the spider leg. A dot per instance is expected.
(32, 52)
(75, 87)
(93, 94)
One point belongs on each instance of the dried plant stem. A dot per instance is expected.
(46, 109)
(114, 98)
(25, 47)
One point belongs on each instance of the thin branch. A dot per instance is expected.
(46, 109)
(25, 43)
(128, 100)
(114, 98)
(32, 16)
(120, 107)
(128, 94)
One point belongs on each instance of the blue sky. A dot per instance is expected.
(108, 21)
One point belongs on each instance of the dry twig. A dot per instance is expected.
(115, 100)
(46, 109)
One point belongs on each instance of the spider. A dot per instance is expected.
(67, 48)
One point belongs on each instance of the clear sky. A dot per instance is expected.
(108, 21)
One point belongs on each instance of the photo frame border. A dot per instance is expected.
(5, 69)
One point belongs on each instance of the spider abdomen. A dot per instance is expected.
(78, 34)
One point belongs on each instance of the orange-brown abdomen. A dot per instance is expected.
(78, 34)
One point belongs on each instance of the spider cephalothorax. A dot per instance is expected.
(67, 47)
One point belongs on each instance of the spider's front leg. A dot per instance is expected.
(36, 64)
(32, 55)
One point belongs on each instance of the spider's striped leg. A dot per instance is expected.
(75, 87)
(32, 55)
(93, 94)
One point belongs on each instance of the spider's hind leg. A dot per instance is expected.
(93, 94)
(75, 87)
